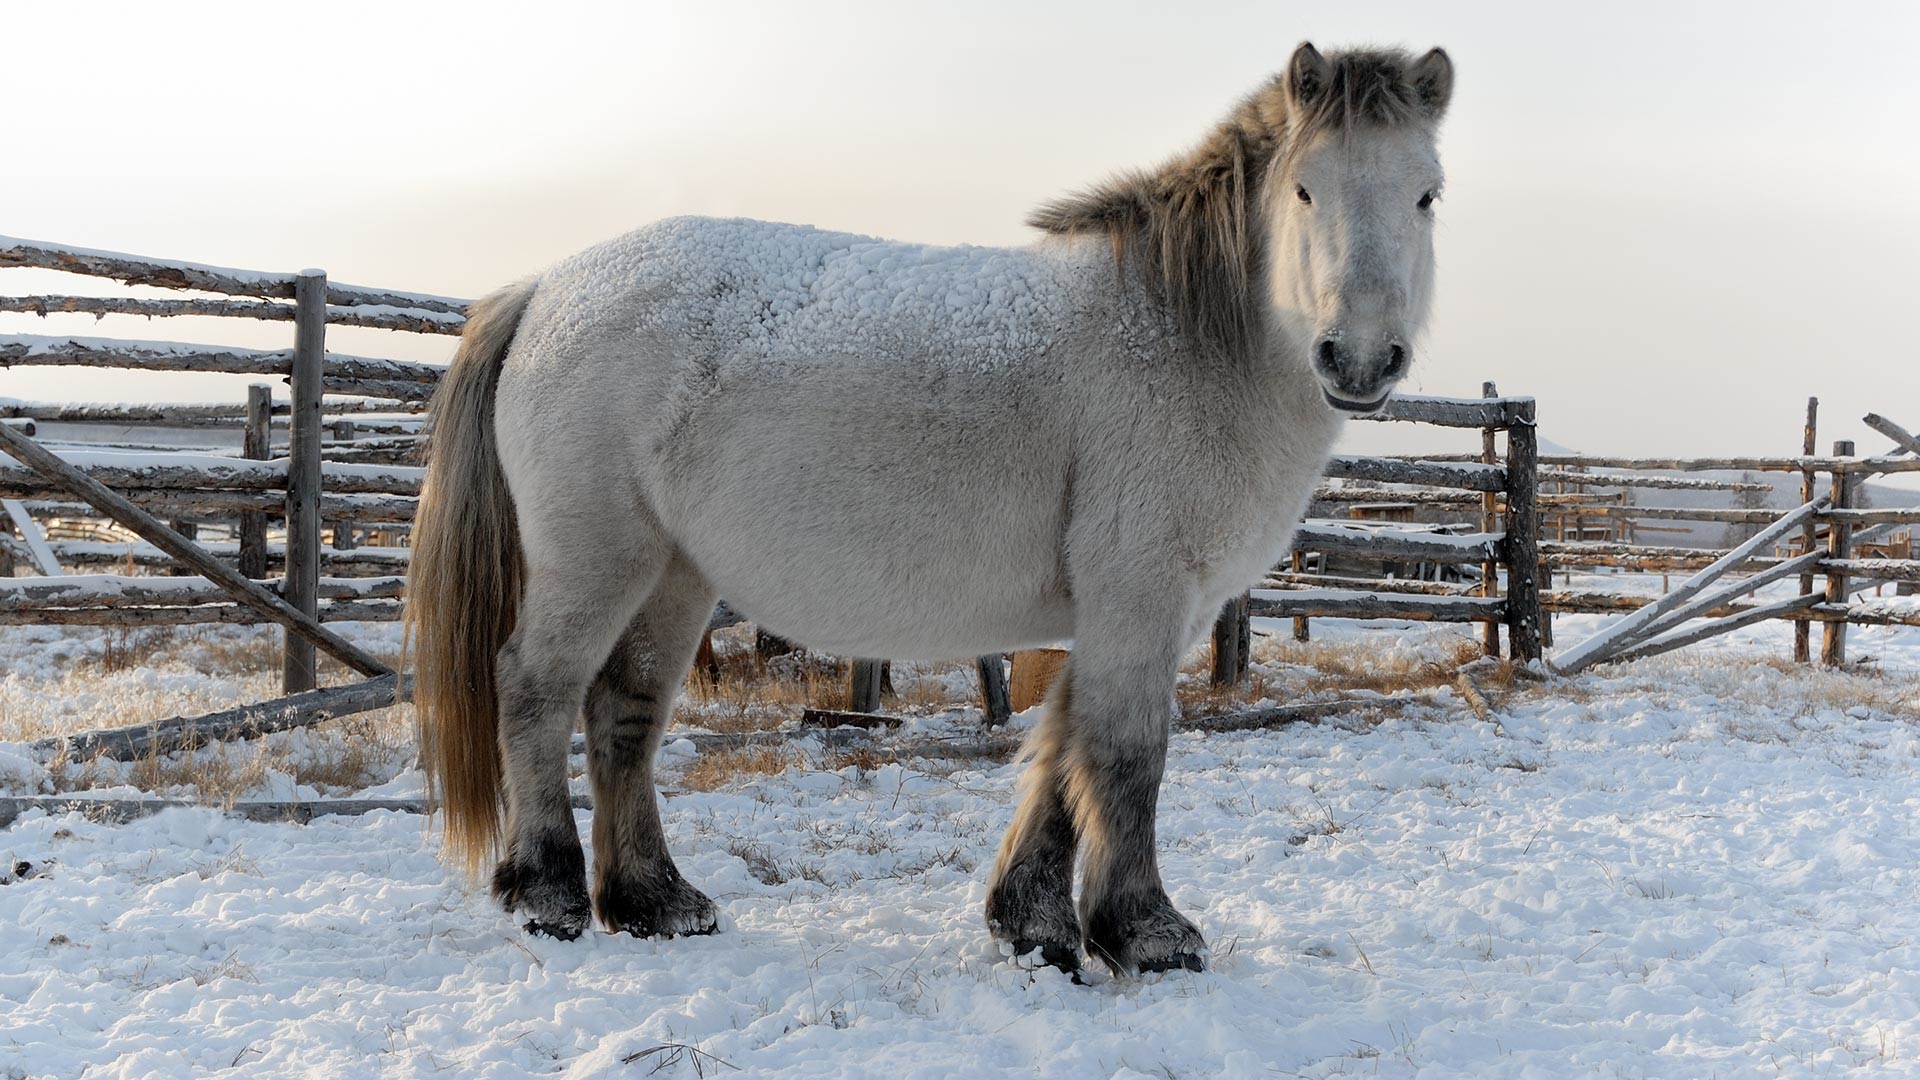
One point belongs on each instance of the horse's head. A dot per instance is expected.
(1351, 212)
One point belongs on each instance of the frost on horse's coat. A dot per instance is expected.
(888, 449)
(790, 291)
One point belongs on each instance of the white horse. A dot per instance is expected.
(884, 449)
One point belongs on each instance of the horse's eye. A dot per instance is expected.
(1426, 201)
(1301, 194)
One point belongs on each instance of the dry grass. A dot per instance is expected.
(715, 769)
(1316, 667)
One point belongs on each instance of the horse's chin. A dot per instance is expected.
(1344, 405)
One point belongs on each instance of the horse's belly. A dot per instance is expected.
(897, 530)
(880, 603)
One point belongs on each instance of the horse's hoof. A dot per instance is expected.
(551, 888)
(1028, 911)
(1054, 954)
(668, 908)
(1144, 937)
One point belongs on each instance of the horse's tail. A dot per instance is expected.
(464, 584)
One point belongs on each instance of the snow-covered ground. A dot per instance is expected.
(1700, 865)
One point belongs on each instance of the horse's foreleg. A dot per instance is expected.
(637, 888)
(1118, 720)
(570, 621)
(1030, 901)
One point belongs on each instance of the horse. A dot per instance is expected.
(887, 449)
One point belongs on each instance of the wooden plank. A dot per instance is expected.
(1657, 483)
(1384, 470)
(1452, 412)
(1287, 579)
(1232, 642)
(121, 590)
(1723, 594)
(197, 615)
(37, 350)
(1355, 604)
(256, 445)
(996, 700)
(863, 686)
(1524, 615)
(155, 532)
(1903, 439)
(1728, 464)
(243, 722)
(165, 471)
(1680, 638)
(35, 540)
(833, 718)
(1394, 544)
(1489, 508)
(174, 274)
(1612, 636)
(298, 670)
(1833, 636)
(1802, 631)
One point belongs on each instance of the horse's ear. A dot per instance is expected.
(1432, 78)
(1307, 74)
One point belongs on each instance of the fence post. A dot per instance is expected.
(343, 530)
(1523, 535)
(1833, 635)
(994, 697)
(1803, 628)
(303, 472)
(1301, 632)
(256, 445)
(863, 686)
(1232, 638)
(1489, 503)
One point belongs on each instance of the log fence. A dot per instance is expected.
(352, 445)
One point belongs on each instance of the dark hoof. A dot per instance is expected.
(1145, 935)
(1028, 912)
(659, 905)
(1052, 953)
(550, 886)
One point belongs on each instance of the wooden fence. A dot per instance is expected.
(333, 479)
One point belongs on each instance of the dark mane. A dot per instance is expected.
(1199, 220)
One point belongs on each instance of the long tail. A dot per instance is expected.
(464, 583)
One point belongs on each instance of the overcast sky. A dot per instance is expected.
(1670, 223)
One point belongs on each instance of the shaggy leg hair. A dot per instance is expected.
(636, 887)
(565, 634)
(1030, 901)
(1120, 714)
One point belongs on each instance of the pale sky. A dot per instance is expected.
(1670, 223)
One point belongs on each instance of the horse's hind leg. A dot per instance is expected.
(574, 612)
(637, 888)
(1030, 901)
(1118, 717)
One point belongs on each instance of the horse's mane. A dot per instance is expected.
(1199, 220)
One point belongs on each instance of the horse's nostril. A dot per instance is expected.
(1327, 356)
(1396, 360)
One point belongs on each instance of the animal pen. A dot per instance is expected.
(319, 535)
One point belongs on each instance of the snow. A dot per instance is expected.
(1692, 866)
